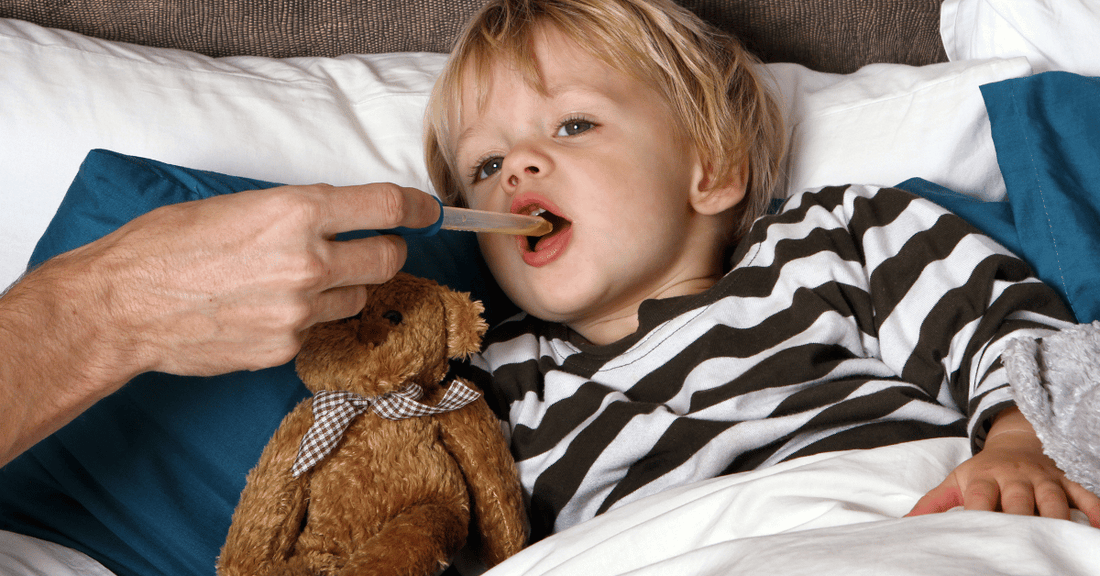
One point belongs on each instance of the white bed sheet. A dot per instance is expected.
(25, 556)
(838, 513)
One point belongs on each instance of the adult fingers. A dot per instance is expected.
(338, 303)
(372, 260)
(378, 206)
(352, 264)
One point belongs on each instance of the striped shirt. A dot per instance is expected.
(856, 317)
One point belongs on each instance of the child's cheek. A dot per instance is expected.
(479, 199)
(495, 248)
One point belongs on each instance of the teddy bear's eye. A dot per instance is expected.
(393, 316)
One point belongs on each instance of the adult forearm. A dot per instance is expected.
(58, 355)
(201, 288)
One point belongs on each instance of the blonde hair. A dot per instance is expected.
(713, 86)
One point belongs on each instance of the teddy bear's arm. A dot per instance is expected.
(268, 518)
(473, 436)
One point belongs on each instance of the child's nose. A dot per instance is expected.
(526, 160)
(514, 179)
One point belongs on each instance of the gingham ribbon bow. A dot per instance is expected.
(334, 411)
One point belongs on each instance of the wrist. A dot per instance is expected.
(62, 321)
(1001, 435)
(1011, 424)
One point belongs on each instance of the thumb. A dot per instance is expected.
(940, 499)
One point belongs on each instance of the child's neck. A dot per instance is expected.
(618, 324)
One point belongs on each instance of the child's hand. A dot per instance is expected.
(1011, 474)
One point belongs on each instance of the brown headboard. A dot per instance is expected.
(827, 35)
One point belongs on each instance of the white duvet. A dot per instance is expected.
(839, 513)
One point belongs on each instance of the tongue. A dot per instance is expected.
(535, 242)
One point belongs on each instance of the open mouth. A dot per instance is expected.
(560, 224)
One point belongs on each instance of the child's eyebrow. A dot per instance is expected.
(463, 138)
(552, 93)
(565, 88)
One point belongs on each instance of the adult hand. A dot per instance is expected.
(231, 282)
(199, 288)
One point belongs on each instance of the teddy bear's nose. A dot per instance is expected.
(374, 330)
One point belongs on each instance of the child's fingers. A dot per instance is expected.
(1016, 497)
(1051, 500)
(1084, 501)
(940, 499)
(983, 495)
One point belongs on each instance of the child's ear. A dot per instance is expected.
(709, 200)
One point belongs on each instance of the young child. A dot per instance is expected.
(670, 333)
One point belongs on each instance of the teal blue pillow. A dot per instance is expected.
(992, 218)
(1046, 129)
(146, 480)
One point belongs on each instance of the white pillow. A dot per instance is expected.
(342, 121)
(358, 119)
(1052, 34)
(886, 123)
(25, 556)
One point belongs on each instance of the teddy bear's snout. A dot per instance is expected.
(373, 331)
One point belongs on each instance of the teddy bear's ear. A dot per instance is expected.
(465, 326)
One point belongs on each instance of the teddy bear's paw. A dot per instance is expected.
(406, 564)
(420, 541)
(306, 565)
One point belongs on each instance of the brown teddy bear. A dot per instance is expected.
(381, 470)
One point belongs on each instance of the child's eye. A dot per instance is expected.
(574, 126)
(486, 168)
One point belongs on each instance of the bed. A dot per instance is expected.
(109, 108)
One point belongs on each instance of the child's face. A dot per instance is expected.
(603, 154)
